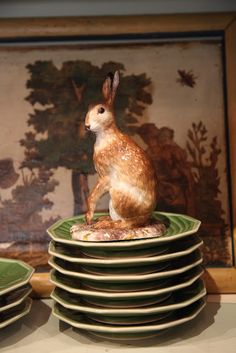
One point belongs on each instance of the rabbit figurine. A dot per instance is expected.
(124, 169)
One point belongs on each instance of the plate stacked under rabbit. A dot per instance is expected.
(129, 289)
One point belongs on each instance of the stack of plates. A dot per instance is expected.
(14, 290)
(127, 290)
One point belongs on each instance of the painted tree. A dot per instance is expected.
(21, 220)
(204, 158)
(205, 172)
(60, 97)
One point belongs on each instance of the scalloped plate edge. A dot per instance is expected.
(25, 311)
(17, 285)
(133, 329)
(123, 243)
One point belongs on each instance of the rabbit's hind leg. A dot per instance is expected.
(122, 224)
(106, 224)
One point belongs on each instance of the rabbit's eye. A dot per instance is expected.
(101, 110)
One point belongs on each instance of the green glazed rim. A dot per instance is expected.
(197, 272)
(13, 274)
(25, 311)
(82, 324)
(195, 260)
(196, 243)
(178, 226)
(199, 293)
(17, 301)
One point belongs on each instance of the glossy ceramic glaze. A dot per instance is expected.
(15, 313)
(180, 266)
(178, 227)
(134, 332)
(180, 300)
(13, 274)
(177, 250)
(124, 169)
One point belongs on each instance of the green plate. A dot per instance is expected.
(126, 303)
(110, 302)
(131, 270)
(14, 298)
(132, 291)
(178, 226)
(180, 265)
(15, 313)
(75, 285)
(182, 298)
(120, 254)
(13, 274)
(109, 254)
(178, 249)
(133, 332)
(128, 320)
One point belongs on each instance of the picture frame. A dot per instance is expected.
(218, 280)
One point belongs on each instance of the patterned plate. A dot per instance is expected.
(13, 274)
(178, 226)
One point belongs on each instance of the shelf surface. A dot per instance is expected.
(214, 330)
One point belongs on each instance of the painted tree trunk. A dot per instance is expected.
(80, 191)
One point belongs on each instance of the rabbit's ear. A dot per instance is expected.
(115, 84)
(106, 89)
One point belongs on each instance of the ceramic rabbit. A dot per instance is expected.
(124, 169)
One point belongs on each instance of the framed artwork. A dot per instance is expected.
(176, 99)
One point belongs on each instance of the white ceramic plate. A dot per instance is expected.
(195, 244)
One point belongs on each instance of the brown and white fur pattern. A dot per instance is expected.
(124, 169)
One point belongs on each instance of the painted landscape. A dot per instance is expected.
(46, 170)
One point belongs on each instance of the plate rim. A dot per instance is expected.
(30, 269)
(15, 303)
(143, 260)
(134, 278)
(123, 243)
(25, 311)
(132, 311)
(130, 329)
(139, 294)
